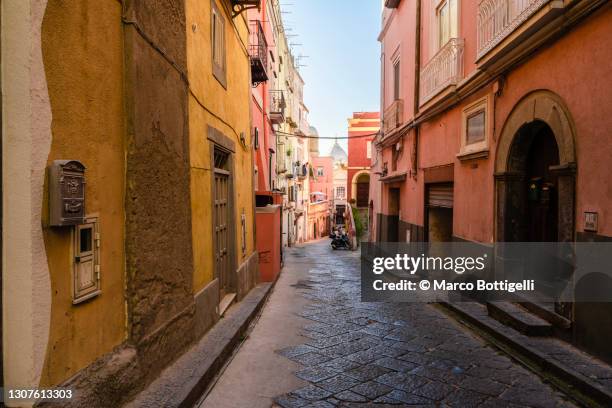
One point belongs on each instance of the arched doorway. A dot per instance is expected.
(360, 192)
(533, 155)
(535, 175)
(535, 170)
(361, 189)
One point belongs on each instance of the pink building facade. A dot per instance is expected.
(495, 127)
(268, 211)
(264, 138)
(321, 195)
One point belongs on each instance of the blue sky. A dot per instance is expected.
(343, 65)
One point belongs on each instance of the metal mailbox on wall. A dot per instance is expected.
(66, 193)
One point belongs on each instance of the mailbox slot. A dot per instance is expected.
(66, 193)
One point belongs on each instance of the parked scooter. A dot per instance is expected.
(340, 239)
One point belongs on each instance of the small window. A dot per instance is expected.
(221, 158)
(218, 44)
(86, 240)
(340, 192)
(475, 127)
(395, 154)
(444, 24)
(319, 171)
(256, 138)
(396, 80)
(369, 149)
(475, 130)
(86, 265)
(280, 158)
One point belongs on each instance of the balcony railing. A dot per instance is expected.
(498, 18)
(443, 70)
(277, 106)
(393, 117)
(258, 53)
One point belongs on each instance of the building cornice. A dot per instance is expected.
(383, 32)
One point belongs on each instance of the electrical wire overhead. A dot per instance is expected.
(278, 132)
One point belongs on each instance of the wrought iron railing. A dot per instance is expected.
(277, 104)
(498, 18)
(393, 117)
(258, 52)
(443, 70)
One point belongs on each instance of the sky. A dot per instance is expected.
(342, 69)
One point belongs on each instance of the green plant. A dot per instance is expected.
(289, 152)
(359, 227)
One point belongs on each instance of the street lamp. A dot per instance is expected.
(238, 6)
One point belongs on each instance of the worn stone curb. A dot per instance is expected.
(185, 381)
(568, 380)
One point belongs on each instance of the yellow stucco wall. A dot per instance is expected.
(83, 59)
(212, 105)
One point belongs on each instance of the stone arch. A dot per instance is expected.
(545, 107)
(355, 180)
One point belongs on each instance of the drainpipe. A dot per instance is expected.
(417, 84)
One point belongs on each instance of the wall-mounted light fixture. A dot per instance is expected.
(238, 6)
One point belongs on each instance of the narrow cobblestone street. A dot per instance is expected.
(317, 345)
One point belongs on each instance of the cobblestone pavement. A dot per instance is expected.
(383, 354)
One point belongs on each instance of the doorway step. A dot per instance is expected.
(520, 319)
(527, 333)
(226, 302)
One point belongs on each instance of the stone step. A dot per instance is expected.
(186, 380)
(519, 319)
(544, 311)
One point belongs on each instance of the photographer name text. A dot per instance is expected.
(526, 285)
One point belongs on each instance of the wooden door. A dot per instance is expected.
(363, 193)
(221, 230)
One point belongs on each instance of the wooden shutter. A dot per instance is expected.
(218, 43)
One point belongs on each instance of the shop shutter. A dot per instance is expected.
(440, 196)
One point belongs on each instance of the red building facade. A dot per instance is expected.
(494, 127)
(362, 128)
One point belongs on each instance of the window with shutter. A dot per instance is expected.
(218, 44)
(447, 22)
(396, 80)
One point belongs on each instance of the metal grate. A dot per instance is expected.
(221, 159)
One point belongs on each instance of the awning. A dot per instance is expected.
(394, 177)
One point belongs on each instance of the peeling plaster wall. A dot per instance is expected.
(158, 209)
(26, 141)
